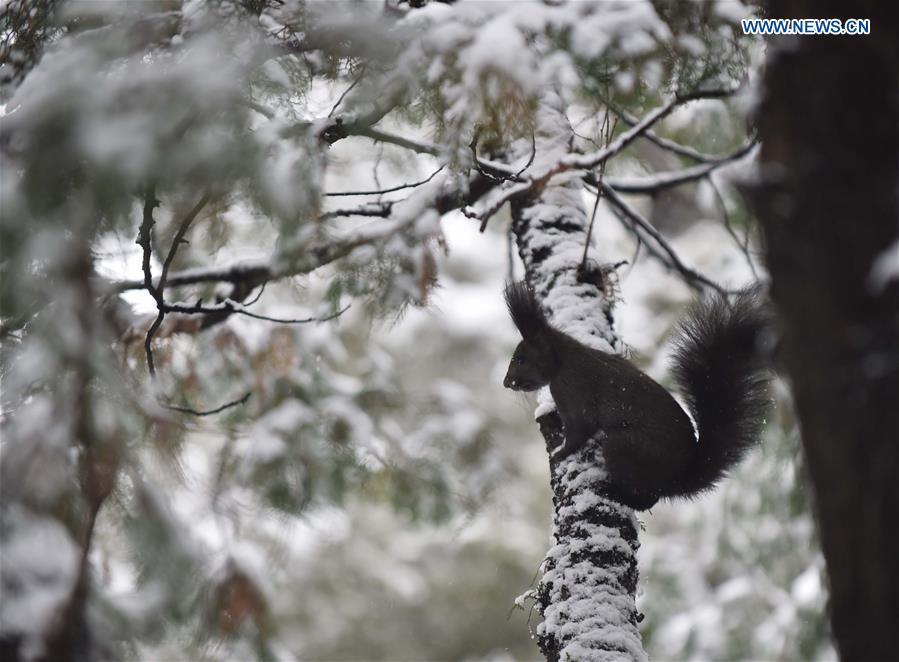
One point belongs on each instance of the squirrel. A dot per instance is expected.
(645, 436)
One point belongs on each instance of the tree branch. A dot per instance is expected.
(659, 181)
(158, 291)
(607, 129)
(388, 190)
(567, 162)
(229, 307)
(347, 91)
(381, 209)
(209, 412)
(311, 257)
(144, 240)
(659, 248)
(665, 143)
(725, 216)
(590, 161)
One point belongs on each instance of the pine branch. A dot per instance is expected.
(657, 244)
(587, 162)
(660, 181)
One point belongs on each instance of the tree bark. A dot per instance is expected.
(827, 201)
(586, 595)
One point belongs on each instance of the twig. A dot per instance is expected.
(636, 256)
(209, 412)
(258, 295)
(589, 161)
(664, 251)
(233, 307)
(295, 321)
(473, 147)
(240, 272)
(744, 244)
(179, 237)
(347, 91)
(380, 209)
(159, 290)
(531, 159)
(418, 146)
(376, 167)
(496, 172)
(665, 143)
(496, 204)
(144, 240)
(606, 129)
(510, 251)
(389, 190)
(487, 167)
(313, 256)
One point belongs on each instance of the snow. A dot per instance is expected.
(37, 456)
(807, 590)
(733, 12)
(569, 310)
(636, 24)
(498, 48)
(884, 269)
(252, 563)
(469, 438)
(37, 576)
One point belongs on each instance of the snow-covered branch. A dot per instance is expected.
(542, 173)
(659, 181)
(590, 161)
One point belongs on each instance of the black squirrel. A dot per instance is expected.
(647, 439)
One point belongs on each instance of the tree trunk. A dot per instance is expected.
(827, 200)
(586, 595)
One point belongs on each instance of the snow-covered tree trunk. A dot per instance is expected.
(586, 595)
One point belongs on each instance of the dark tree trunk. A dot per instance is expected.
(827, 200)
(586, 595)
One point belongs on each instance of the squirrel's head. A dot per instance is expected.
(529, 368)
(533, 361)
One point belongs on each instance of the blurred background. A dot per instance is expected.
(379, 496)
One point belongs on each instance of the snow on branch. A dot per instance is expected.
(543, 172)
(659, 181)
(590, 161)
(440, 193)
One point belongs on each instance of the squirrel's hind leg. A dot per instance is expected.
(631, 499)
(637, 481)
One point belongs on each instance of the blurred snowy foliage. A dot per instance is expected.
(378, 495)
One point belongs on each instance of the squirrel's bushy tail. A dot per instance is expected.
(719, 369)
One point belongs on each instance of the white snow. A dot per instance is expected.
(38, 573)
(884, 269)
